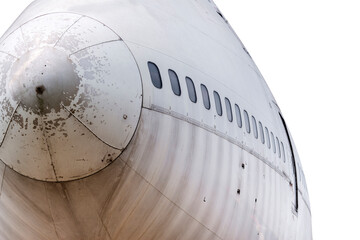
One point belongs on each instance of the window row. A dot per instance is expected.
(266, 137)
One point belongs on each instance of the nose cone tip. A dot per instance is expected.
(44, 79)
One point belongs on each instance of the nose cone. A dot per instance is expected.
(43, 80)
(70, 94)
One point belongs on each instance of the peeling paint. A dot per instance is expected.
(65, 94)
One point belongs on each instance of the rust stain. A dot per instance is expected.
(17, 118)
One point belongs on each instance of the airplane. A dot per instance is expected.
(137, 119)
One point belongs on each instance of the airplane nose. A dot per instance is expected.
(70, 94)
(44, 79)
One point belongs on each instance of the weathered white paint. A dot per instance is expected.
(71, 94)
(181, 171)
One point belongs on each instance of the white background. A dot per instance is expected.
(309, 53)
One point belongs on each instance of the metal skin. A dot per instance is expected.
(90, 149)
(66, 80)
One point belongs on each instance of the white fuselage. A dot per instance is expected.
(182, 171)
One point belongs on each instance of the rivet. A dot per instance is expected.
(125, 116)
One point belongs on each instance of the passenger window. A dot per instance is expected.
(155, 75)
(261, 133)
(191, 89)
(247, 121)
(238, 116)
(283, 152)
(273, 142)
(256, 135)
(267, 137)
(205, 95)
(175, 85)
(228, 110)
(278, 147)
(218, 103)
